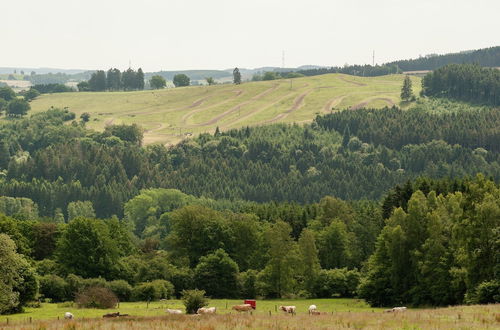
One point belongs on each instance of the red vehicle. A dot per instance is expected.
(251, 302)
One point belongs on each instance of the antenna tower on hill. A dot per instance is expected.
(283, 60)
(373, 58)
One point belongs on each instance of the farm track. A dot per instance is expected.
(364, 103)
(236, 107)
(297, 104)
(258, 110)
(188, 115)
(333, 102)
(355, 83)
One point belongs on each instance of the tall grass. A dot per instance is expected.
(460, 317)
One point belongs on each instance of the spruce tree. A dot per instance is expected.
(4, 155)
(406, 90)
(236, 76)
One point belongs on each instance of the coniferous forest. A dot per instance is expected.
(394, 206)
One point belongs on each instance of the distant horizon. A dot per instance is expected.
(226, 69)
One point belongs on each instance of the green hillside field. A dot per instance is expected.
(170, 115)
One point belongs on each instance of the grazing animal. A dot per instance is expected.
(206, 310)
(315, 312)
(243, 308)
(396, 309)
(312, 308)
(116, 314)
(68, 316)
(288, 309)
(174, 311)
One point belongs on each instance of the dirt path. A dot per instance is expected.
(160, 126)
(364, 103)
(188, 115)
(333, 102)
(297, 104)
(109, 122)
(236, 107)
(256, 111)
(351, 82)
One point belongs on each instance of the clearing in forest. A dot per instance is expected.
(170, 115)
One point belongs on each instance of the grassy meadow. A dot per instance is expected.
(337, 314)
(169, 115)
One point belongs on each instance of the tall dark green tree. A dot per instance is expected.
(157, 82)
(236, 76)
(139, 79)
(18, 108)
(406, 90)
(181, 80)
(217, 274)
(7, 93)
(87, 249)
(4, 155)
(114, 79)
(129, 80)
(97, 81)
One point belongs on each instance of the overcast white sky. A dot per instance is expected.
(220, 34)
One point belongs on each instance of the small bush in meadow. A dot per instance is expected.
(194, 299)
(96, 297)
(122, 289)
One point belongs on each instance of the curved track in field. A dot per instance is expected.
(355, 83)
(237, 107)
(297, 104)
(190, 114)
(256, 111)
(365, 102)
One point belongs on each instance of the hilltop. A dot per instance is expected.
(170, 115)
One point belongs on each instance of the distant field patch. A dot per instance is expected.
(171, 115)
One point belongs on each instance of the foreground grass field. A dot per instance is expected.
(343, 314)
(170, 115)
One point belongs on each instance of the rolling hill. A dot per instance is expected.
(170, 115)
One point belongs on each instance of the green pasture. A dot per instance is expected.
(169, 115)
(51, 311)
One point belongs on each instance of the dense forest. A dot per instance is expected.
(487, 57)
(169, 241)
(354, 70)
(466, 82)
(386, 205)
(350, 154)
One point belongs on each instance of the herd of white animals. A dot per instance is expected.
(313, 310)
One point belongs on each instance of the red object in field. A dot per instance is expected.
(251, 302)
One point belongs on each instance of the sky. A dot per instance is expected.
(221, 34)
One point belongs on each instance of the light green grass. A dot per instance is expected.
(170, 115)
(53, 311)
(459, 317)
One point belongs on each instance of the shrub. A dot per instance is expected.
(98, 281)
(336, 282)
(54, 287)
(248, 281)
(485, 293)
(182, 279)
(122, 289)
(194, 299)
(46, 267)
(96, 297)
(75, 285)
(155, 290)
